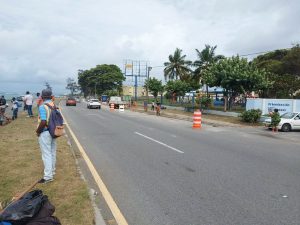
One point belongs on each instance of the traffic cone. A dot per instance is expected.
(197, 119)
(112, 107)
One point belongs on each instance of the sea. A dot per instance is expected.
(9, 95)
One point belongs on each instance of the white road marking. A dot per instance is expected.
(168, 146)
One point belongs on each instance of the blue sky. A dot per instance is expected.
(48, 41)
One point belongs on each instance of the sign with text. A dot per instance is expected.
(268, 105)
(283, 106)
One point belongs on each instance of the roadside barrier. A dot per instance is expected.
(197, 119)
(112, 107)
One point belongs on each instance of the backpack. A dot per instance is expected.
(55, 121)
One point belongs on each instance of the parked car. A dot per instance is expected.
(71, 101)
(93, 104)
(289, 121)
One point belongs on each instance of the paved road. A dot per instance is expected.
(160, 171)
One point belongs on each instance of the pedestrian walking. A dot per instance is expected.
(275, 120)
(14, 108)
(28, 101)
(46, 141)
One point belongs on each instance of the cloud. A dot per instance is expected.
(50, 40)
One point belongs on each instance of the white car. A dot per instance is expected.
(289, 121)
(93, 104)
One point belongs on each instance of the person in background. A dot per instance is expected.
(2, 100)
(275, 120)
(152, 106)
(39, 100)
(28, 100)
(46, 141)
(14, 108)
(2, 106)
(157, 108)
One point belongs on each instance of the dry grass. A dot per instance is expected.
(21, 165)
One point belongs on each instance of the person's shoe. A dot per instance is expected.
(27, 116)
(43, 181)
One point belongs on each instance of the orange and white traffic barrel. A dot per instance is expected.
(197, 119)
(112, 107)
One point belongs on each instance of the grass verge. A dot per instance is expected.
(21, 165)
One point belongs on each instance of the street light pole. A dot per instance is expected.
(147, 89)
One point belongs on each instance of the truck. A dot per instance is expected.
(117, 101)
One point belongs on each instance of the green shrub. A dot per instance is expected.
(204, 101)
(251, 116)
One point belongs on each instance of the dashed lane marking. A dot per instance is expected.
(168, 146)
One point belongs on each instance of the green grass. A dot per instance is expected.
(21, 165)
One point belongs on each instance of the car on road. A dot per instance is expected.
(93, 104)
(289, 121)
(71, 101)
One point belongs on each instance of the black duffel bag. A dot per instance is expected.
(22, 210)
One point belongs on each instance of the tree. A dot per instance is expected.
(177, 66)
(236, 76)
(177, 88)
(72, 86)
(206, 58)
(101, 79)
(48, 86)
(155, 86)
(284, 68)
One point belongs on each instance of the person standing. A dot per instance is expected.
(15, 106)
(275, 120)
(2, 100)
(28, 100)
(46, 141)
(152, 106)
(2, 109)
(39, 100)
(157, 108)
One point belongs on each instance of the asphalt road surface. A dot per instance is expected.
(161, 171)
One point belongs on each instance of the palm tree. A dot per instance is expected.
(205, 58)
(177, 66)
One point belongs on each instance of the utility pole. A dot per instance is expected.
(149, 68)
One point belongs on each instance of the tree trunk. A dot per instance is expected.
(225, 103)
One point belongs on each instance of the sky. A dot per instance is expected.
(49, 41)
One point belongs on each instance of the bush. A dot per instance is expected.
(251, 116)
(204, 101)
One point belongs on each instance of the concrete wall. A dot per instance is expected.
(268, 105)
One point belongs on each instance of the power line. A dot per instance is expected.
(256, 53)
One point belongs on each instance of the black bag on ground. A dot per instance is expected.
(44, 216)
(22, 210)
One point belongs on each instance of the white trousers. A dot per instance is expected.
(48, 150)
